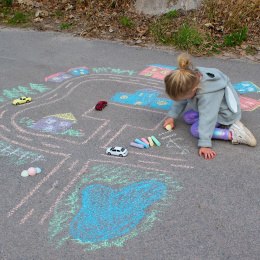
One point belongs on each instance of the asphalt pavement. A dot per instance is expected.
(159, 203)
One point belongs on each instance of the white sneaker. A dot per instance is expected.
(241, 135)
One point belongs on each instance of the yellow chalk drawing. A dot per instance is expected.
(65, 116)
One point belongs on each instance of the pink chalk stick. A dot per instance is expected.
(145, 141)
(136, 145)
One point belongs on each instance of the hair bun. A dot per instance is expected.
(184, 61)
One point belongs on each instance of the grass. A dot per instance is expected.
(125, 21)
(230, 20)
(236, 38)
(188, 37)
(64, 26)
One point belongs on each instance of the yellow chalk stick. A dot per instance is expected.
(150, 141)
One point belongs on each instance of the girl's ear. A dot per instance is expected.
(194, 89)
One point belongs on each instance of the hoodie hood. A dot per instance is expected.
(214, 78)
(217, 81)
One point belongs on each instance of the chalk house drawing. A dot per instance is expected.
(99, 215)
(145, 97)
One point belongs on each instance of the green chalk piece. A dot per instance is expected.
(155, 141)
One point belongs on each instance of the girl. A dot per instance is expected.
(214, 102)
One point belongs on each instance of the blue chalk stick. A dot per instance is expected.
(141, 142)
(137, 145)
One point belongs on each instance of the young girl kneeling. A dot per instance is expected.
(214, 102)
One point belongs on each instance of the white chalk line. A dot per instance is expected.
(1, 115)
(53, 186)
(26, 216)
(24, 138)
(50, 145)
(5, 128)
(182, 166)
(72, 165)
(103, 136)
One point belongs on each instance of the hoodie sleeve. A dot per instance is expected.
(177, 108)
(208, 104)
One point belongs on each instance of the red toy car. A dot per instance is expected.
(100, 105)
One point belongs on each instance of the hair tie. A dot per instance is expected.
(181, 69)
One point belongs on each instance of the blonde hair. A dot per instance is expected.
(181, 81)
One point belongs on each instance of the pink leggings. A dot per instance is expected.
(191, 117)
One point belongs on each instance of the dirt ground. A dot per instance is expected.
(101, 19)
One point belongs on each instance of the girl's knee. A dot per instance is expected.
(190, 116)
(194, 130)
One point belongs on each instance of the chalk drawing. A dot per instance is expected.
(18, 156)
(79, 71)
(246, 87)
(56, 124)
(145, 98)
(157, 71)
(108, 213)
(111, 70)
(58, 77)
(111, 211)
(248, 104)
(176, 144)
(23, 91)
(53, 124)
(52, 188)
(26, 216)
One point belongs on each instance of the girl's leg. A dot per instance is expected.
(191, 116)
(218, 133)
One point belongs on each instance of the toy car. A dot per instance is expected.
(100, 105)
(22, 100)
(119, 151)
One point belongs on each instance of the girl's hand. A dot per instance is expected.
(209, 154)
(169, 121)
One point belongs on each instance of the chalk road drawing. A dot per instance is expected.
(18, 156)
(125, 193)
(23, 91)
(147, 98)
(58, 124)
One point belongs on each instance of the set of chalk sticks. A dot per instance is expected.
(143, 143)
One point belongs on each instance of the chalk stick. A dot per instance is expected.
(145, 141)
(169, 127)
(150, 141)
(140, 142)
(137, 145)
(155, 141)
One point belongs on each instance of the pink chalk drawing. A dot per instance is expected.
(248, 104)
(157, 71)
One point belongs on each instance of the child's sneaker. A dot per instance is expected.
(241, 135)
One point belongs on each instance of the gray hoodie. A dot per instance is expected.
(216, 101)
